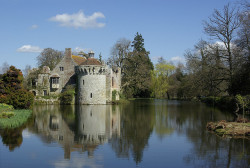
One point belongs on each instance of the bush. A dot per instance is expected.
(6, 114)
(6, 107)
(21, 99)
(66, 98)
(68, 95)
(12, 92)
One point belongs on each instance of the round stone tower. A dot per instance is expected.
(91, 82)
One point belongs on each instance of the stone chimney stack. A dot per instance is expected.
(68, 53)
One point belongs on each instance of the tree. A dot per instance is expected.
(49, 57)
(137, 67)
(206, 70)
(26, 70)
(222, 26)
(4, 68)
(241, 78)
(12, 91)
(119, 53)
(160, 78)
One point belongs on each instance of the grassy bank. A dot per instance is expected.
(10, 118)
(230, 129)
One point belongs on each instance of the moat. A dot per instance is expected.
(142, 133)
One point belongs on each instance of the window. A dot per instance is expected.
(112, 81)
(55, 80)
(45, 92)
(82, 82)
(91, 95)
(61, 68)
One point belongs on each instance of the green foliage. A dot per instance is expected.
(21, 99)
(67, 96)
(5, 107)
(243, 101)
(137, 66)
(160, 79)
(114, 93)
(225, 102)
(12, 92)
(6, 114)
(19, 118)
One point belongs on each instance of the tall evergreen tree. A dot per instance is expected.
(136, 80)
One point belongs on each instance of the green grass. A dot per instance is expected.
(10, 118)
(18, 119)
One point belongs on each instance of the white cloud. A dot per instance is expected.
(34, 26)
(178, 59)
(79, 19)
(79, 49)
(29, 48)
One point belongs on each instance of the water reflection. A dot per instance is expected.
(137, 123)
(139, 130)
(80, 128)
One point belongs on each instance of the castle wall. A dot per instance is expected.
(66, 70)
(91, 85)
(43, 83)
(108, 85)
(116, 81)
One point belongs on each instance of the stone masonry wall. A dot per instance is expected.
(92, 90)
(68, 71)
(108, 85)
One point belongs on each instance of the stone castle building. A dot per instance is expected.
(94, 81)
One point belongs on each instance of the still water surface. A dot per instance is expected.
(143, 133)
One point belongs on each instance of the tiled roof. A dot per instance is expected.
(78, 59)
(55, 75)
(91, 61)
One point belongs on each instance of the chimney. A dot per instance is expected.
(91, 54)
(68, 53)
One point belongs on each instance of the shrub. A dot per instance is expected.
(66, 98)
(12, 92)
(114, 92)
(6, 107)
(6, 114)
(21, 99)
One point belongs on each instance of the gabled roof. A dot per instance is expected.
(91, 61)
(78, 59)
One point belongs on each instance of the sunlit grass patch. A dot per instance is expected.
(5, 107)
(10, 118)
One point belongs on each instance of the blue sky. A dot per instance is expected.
(169, 27)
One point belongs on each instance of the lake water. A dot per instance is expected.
(143, 133)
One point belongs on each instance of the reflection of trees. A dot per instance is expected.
(208, 149)
(137, 122)
(13, 137)
(163, 125)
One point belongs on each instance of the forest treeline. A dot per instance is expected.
(216, 67)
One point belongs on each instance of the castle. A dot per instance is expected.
(94, 80)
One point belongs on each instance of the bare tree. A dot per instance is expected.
(222, 26)
(26, 70)
(119, 53)
(49, 57)
(4, 68)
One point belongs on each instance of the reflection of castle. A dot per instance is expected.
(94, 125)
